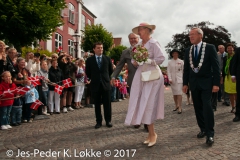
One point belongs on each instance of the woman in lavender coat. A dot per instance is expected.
(146, 102)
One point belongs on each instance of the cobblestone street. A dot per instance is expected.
(72, 133)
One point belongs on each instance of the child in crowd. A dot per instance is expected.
(124, 86)
(44, 87)
(7, 97)
(16, 113)
(30, 97)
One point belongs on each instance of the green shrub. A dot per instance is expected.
(41, 51)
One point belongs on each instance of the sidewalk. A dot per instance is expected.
(73, 134)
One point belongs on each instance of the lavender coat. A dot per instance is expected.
(146, 102)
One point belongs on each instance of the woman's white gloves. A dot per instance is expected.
(149, 61)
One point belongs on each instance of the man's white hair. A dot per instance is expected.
(198, 30)
(133, 34)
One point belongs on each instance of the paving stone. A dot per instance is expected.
(75, 131)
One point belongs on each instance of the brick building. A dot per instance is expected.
(75, 17)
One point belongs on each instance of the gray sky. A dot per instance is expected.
(169, 16)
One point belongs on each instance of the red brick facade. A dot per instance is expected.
(65, 32)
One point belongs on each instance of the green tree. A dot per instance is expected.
(115, 53)
(216, 35)
(23, 22)
(96, 33)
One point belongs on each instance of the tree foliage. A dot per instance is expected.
(116, 52)
(96, 33)
(216, 35)
(24, 21)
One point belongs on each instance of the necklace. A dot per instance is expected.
(196, 70)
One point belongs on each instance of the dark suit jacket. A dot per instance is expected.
(209, 74)
(94, 73)
(235, 69)
(125, 58)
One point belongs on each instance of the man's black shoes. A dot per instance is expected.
(201, 134)
(98, 125)
(109, 124)
(209, 141)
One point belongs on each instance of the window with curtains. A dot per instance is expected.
(58, 40)
(71, 17)
(70, 47)
(83, 24)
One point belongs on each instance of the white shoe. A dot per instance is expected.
(30, 121)
(8, 126)
(25, 121)
(45, 113)
(70, 109)
(65, 110)
(4, 127)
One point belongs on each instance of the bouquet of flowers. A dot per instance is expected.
(139, 53)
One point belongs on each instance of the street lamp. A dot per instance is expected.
(76, 38)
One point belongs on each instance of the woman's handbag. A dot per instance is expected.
(150, 75)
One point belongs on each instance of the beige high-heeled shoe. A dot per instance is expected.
(150, 144)
(146, 142)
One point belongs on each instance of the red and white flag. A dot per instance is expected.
(58, 89)
(117, 83)
(40, 77)
(67, 83)
(21, 90)
(35, 81)
(32, 78)
(8, 93)
(36, 104)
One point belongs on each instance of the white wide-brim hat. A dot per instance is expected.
(144, 24)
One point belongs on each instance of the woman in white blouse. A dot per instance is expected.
(175, 75)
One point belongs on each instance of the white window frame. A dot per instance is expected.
(58, 40)
(83, 22)
(70, 47)
(71, 14)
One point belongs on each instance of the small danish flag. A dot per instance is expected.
(58, 89)
(35, 80)
(117, 83)
(59, 49)
(32, 78)
(21, 90)
(35, 83)
(40, 77)
(67, 83)
(36, 104)
(8, 93)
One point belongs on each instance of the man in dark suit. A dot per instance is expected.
(235, 72)
(202, 73)
(99, 69)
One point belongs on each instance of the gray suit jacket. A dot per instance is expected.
(220, 59)
(125, 58)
